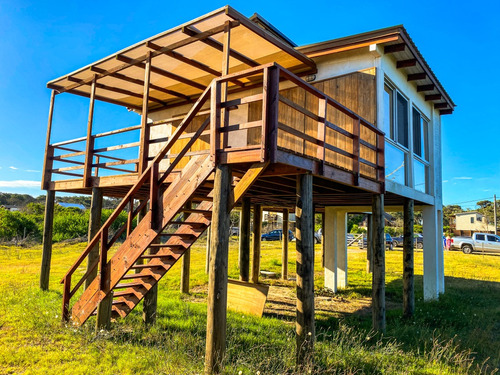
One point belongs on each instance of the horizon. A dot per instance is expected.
(39, 34)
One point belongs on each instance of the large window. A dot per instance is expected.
(402, 120)
(395, 162)
(420, 135)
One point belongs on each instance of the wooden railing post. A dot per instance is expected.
(322, 105)
(215, 119)
(103, 259)
(270, 102)
(145, 131)
(154, 200)
(66, 298)
(89, 147)
(355, 149)
(130, 217)
(49, 150)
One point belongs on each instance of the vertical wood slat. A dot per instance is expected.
(381, 159)
(284, 252)
(145, 130)
(226, 49)
(66, 298)
(49, 150)
(89, 146)
(154, 198)
(270, 102)
(130, 217)
(103, 259)
(355, 150)
(215, 120)
(48, 225)
(322, 107)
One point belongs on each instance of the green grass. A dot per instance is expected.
(460, 333)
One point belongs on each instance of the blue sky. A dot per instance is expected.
(42, 40)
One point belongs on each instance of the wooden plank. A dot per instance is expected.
(246, 297)
(297, 107)
(398, 47)
(270, 115)
(257, 228)
(433, 97)
(240, 101)
(422, 88)
(406, 63)
(416, 76)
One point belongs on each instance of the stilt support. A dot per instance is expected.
(48, 225)
(94, 227)
(244, 258)
(408, 263)
(378, 276)
(284, 252)
(257, 228)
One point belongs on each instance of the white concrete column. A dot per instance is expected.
(433, 257)
(341, 248)
(440, 251)
(330, 249)
(334, 234)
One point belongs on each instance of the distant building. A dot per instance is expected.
(467, 223)
(74, 205)
(11, 208)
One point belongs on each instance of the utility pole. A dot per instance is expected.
(495, 211)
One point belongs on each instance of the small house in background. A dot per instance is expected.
(467, 223)
(10, 207)
(73, 205)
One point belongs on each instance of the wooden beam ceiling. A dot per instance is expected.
(399, 47)
(433, 97)
(441, 105)
(423, 88)
(416, 76)
(406, 63)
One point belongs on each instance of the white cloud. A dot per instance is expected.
(20, 183)
(462, 178)
(14, 168)
(32, 170)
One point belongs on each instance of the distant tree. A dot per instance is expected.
(449, 211)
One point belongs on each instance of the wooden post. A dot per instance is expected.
(257, 227)
(323, 239)
(408, 263)
(94, 226)
(150, 303)
(207, 258)
(49, 151)
(244, 258)
(144, 141)
(369, 245)
(89, 147)
(378, 276)
(185, 269)
(140, 216)
(304, 215)
(48, 224)
(284, 251)
(104, 308)
(217, 284)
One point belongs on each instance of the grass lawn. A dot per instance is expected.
(460, 333)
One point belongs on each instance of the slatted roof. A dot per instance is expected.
(185, 60)
(397, 42)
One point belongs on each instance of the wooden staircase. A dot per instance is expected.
(179, 213)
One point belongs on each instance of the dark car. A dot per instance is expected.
(275, 235)
(419, 241)
(389, 245)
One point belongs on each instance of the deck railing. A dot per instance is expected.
(279, 112)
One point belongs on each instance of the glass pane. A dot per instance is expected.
(388, 113)
(402, 120)
(480, 237)
(417, 133)
(425, 140)
(394, 164)
(420, 175)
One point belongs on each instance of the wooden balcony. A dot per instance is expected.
(281, 120)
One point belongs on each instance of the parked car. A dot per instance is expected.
(275, 235)
(479, 242)
(419, 241)
(389, 245)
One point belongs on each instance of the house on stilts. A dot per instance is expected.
(233, 114)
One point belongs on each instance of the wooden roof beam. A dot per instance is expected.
(218, 46)
(191, 62)
(406, 63)
(416, 76)
(399, 47)
(446, 111)
(161, 72)
(441, 105)
(118, 90)
(179, 44)
(423, 88)
(140, 82)
(433, 97)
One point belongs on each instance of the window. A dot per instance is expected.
(479, 218)
(420, 176)
(420, 135)
(402, 120)
(492, 239)
(472, 220)
(395, 161)
(388, 112)
(479, 237)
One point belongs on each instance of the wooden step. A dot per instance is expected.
(123, 293)
(201, 198)
(129, 285)
(133, 276)
(154, 256)
(180, 235)
(143, 266)
(191, 223)
(196, 211)
(178, 247)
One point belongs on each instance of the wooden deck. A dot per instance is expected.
(286, 121)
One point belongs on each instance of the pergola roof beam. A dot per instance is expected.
(399, 47)
(140, 82)
(218, 46)
(119, 90)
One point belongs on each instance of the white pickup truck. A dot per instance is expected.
(479, 242)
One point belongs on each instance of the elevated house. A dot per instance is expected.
(235, 115)
(468, 223)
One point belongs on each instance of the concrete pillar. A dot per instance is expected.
(334, 234)
(433, 253)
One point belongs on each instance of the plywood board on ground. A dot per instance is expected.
(246, 297)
